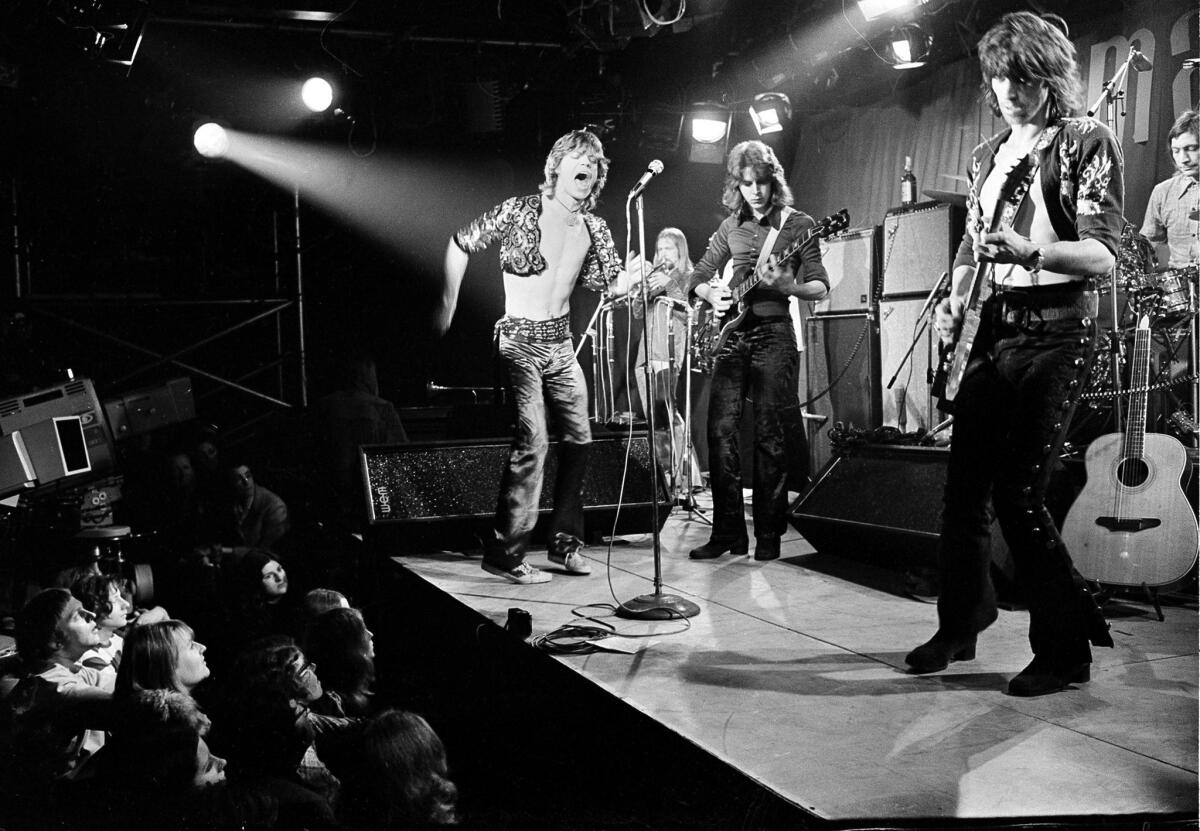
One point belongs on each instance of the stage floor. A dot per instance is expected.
(793, 673)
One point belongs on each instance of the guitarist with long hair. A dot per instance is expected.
(758, 359)
(1044, 218)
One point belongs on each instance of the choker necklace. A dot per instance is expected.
(572, 217)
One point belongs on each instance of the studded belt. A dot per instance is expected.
(554, 330)
(1018, 307)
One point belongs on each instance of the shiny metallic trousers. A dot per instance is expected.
(545, 381)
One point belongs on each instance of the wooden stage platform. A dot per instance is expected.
(793, 674)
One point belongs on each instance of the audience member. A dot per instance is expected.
(60, 707)
(102, 595)
(249, 516)
(351, 416)
(255, 592)
(265, 727)
(158, 771)
(402, 780)
(341, 645)
(162, 656)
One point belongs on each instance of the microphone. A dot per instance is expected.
(653, 169)
(1139, 61)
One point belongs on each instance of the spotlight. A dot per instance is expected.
(211, 140)
(872, 9)
(908, 46)
(710, 123)
(710, 133)
(317, 94)
(770, 112)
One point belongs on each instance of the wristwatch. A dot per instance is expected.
(1036, 262)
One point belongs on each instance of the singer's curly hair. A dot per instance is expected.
(762, 158)
(575, 140)
(1024, 46)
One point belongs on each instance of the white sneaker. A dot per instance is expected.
(564, 551)
(522, 573)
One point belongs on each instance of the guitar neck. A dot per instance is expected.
(1135, 424)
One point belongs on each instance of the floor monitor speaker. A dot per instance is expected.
(443, 494)
(881, 504)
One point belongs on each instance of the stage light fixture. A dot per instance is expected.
(908, 46)
(710, 123)
(873, 9)
(317, 94)
(770, 112)
(211, 140)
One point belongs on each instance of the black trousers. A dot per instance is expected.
(1010, 419)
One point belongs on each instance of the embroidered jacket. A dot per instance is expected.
(1081, 180)
(514, 223)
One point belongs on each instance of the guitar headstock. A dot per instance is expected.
(832, 224)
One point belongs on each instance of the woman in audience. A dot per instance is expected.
(162, 656)
(255, 591)
(102, 595)
(340, 643)
(402, 779)
(59, 709)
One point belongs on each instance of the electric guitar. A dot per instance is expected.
(1016, 185)
(712, 329)
(1132, 524)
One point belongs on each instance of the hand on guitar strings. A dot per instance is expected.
(717, 295)
(781, 276)
(1004, 246)
(946, 322)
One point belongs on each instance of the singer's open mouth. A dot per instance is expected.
(581, 177)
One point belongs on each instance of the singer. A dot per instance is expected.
(549, 242)
(760, 359)
(1031, 354)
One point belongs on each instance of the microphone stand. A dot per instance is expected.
(921, 331)
(655, 606)
(1109, 94)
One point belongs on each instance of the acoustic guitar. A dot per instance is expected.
(1132, 524)
(712, 330)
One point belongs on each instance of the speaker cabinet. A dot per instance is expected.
(842, 357)
(918, 245)
(899, 324)
(849, 260)
(444, 493)
(883, 504)
(876, 502)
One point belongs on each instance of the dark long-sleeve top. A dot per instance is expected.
(740, 237)
(1080, 173)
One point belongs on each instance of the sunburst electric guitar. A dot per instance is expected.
(1132, 524)
(713, 329)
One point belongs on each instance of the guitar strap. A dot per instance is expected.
(1012, 203)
